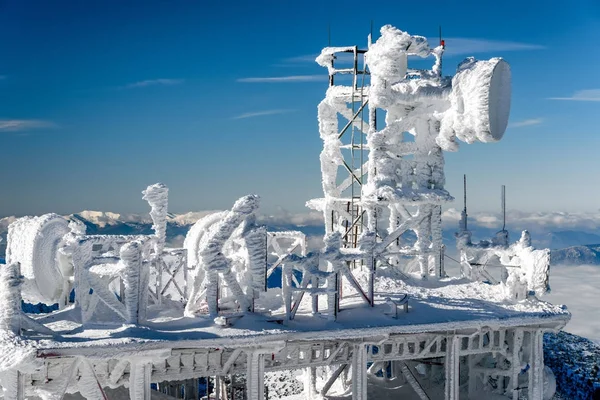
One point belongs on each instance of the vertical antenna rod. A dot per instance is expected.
(465, 199)
(503, 207)
(443, 44)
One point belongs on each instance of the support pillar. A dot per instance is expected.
(255, 375)
(217, 388)
(13, 385)
(516, 362)
(310, 383)
(139, 380)
(452, 368)
(359, 372)
(536, 372)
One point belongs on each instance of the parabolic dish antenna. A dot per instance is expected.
(481, 100)
(34, 242)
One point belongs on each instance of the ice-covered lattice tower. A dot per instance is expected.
(384, 135)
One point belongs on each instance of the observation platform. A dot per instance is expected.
(434, 306)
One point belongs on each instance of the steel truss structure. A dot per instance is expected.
(396, 355)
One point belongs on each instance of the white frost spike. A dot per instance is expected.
(157, 196)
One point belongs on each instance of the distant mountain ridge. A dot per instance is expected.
(569, 247)
(109, 223)
(576, 255)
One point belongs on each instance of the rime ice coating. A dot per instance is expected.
(34, 243)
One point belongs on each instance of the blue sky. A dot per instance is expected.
(98, 99)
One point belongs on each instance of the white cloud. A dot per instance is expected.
(276, 79)
(261, 113)
(301, 59)
(20, 125)
(455, 46)
(526, 122)
(582, 95)
(534, 221)
(311, 218)
(154, 82)
(577, 287)
(465, 46)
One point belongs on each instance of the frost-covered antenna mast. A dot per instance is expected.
(464, 214)
(396, 195)
(503, 207)
(443, 45)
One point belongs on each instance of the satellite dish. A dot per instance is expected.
(499, 93)
(34, 243)
(480, 101)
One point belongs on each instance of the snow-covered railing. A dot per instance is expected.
(94, 276)
(282, 244)
(313, 281)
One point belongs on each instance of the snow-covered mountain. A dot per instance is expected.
(569, 247)
(100, 222)
(577, 255)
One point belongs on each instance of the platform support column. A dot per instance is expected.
(139, 381)
(255, 375)
(217, 388)
(359, 372)
(516, 362)
(13, 383)
(452, 368)
(536, 371)
(473, 359)
(310, 383)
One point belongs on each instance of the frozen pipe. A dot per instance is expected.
(10, 298)
(133, 279)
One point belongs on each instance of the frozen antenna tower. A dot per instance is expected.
(389, 180)
(353, 317)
